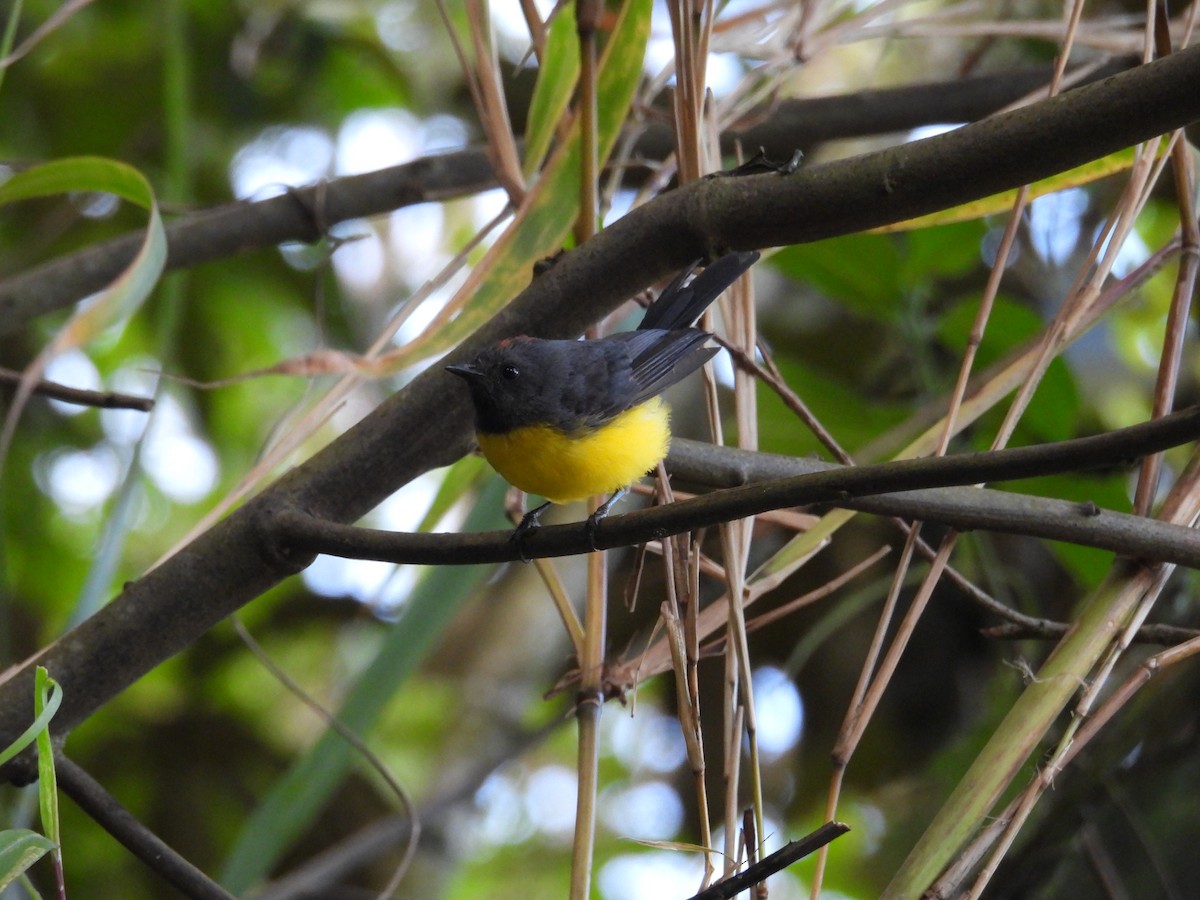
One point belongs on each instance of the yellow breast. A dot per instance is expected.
(544, 461)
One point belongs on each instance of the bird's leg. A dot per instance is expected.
(529, 524)
(601, 511)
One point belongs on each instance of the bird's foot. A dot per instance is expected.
(758, 163)
(593, 521)
(528, 525)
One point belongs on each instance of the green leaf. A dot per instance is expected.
(852, 418)
(1009, 325)
(545, 219)
(20, 848)
(79, 173)
(299, 795)
(861, 271)
(557, 74)
(10, 35)
(1053, 417)
(947, 251)
(92, 173)
(30, 734)
(46, 689)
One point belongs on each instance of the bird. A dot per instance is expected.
(569, 419)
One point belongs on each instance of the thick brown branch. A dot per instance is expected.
(802, 123)
(428, 423)
(301, 215)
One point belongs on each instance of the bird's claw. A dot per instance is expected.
(589, 528)
(528, 525)
(759, 163)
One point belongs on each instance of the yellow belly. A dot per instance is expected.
(541, 460)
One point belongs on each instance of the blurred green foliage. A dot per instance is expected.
(867, 329)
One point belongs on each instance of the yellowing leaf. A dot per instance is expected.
(998, 203)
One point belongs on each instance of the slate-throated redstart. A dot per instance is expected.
(568, 419)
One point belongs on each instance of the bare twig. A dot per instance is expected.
(1184, 172)
(1046, 630)
(79, 396)
(775, 862)
(867, 488)
(143, 843)
(589, 700)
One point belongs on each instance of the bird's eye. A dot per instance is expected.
(510, 373)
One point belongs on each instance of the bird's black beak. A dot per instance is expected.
(465, 370)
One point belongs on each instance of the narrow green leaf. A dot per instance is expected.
(30, 734)
(117, 302)
(28, 887)
(20, 848)
(93, 173)
(464, 475)
(10, 35)
(45, 690)
(557, 74)
(299, 795)
(79, 173)
(545, 219)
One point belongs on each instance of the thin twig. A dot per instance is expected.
(291, 532)
(770, 375)
(143, 843)
(775, 862)
(1184, 173)
(1047, 630)
(79, 396)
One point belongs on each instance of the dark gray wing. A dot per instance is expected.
(660, 358)
(680, 305)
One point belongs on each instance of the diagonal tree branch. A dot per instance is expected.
(303, 214)
(427, 424)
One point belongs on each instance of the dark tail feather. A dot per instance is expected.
(680, 305)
